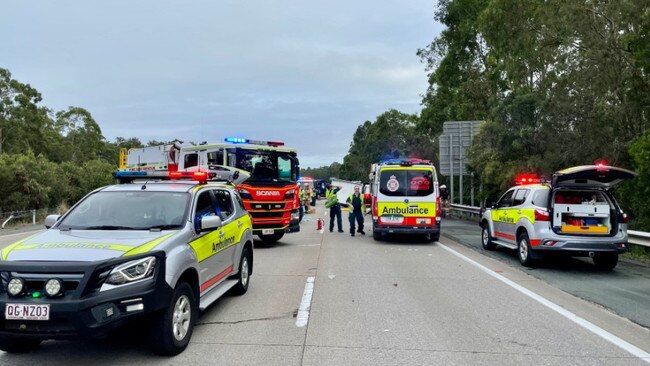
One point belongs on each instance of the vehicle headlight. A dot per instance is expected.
(245, 193)
(295, 215)
(132, 271)
(290, 193)
(15, 286)
(53, 287)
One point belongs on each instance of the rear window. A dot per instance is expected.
(400, 183)
(541, 198)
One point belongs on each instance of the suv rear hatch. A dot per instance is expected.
(581, 203)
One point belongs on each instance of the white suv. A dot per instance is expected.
(576, 214)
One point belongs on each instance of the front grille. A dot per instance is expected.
(35, 282)
(269, 226)
(271, 214)
(267, 206)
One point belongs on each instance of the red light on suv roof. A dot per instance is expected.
(523, 179)
(200, 176)
(175, 175)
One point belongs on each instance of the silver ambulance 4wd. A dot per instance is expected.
(162, 250)
(576, 214)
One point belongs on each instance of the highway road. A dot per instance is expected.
(626, 290)
(395, 302)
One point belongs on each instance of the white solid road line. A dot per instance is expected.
(634, 350)
(21, 233)
(305, 304)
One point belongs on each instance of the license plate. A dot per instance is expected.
(268, 232)
(423, 221)
(27, 311)
(392, 219)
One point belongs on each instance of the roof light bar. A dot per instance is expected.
(241, 140)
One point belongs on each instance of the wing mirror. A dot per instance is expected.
(210, 223)
(50, 220)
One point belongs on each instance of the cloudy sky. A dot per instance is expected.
(304, 72)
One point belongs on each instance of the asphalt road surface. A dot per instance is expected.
(626, 290)
(395, 302)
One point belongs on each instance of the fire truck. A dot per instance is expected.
(270, 193)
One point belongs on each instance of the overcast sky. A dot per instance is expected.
(304, 72)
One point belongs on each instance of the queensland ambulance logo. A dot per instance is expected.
(392, 184)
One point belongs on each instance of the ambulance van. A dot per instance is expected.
(405, 198)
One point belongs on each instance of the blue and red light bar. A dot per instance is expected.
(241, 140)
(126, 176)
(405, 162)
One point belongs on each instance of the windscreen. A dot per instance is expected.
(128, 211)
(401, 183)
(268, 165)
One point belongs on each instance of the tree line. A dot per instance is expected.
(50, 158)
(558, 84)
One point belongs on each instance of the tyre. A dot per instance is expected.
(605, 261)
(171, 329)
(16, 345)
(270, 239)
(486, 238)
(243, 277)
(523, 250)
(376, 235)
(432, 237)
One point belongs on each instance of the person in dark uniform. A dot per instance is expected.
(357, 209)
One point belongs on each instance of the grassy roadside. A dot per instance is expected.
(638, 253)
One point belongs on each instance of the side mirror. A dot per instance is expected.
(50, 220)
(235, 175)
(210, 223)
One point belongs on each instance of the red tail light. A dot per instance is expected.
(375, 209)
(438, 207)
(175, 175)
(625, 218)
(542, 215)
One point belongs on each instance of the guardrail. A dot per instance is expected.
(19, 215)
(640, 238)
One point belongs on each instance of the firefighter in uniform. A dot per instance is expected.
(357, 208)
(305, 197)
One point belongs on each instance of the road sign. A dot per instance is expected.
(454, 143)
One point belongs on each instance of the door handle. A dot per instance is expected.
(240, 224)
(519, 212)
(221, 234)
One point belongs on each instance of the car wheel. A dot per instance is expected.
(172, 328)
(486, 238)
(605, 261)
(270, 239)
(431, 238)
(16, 345)
(376, 235)
(243, 277)
(523, 250)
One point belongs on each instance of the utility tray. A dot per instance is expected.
(584, 229)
